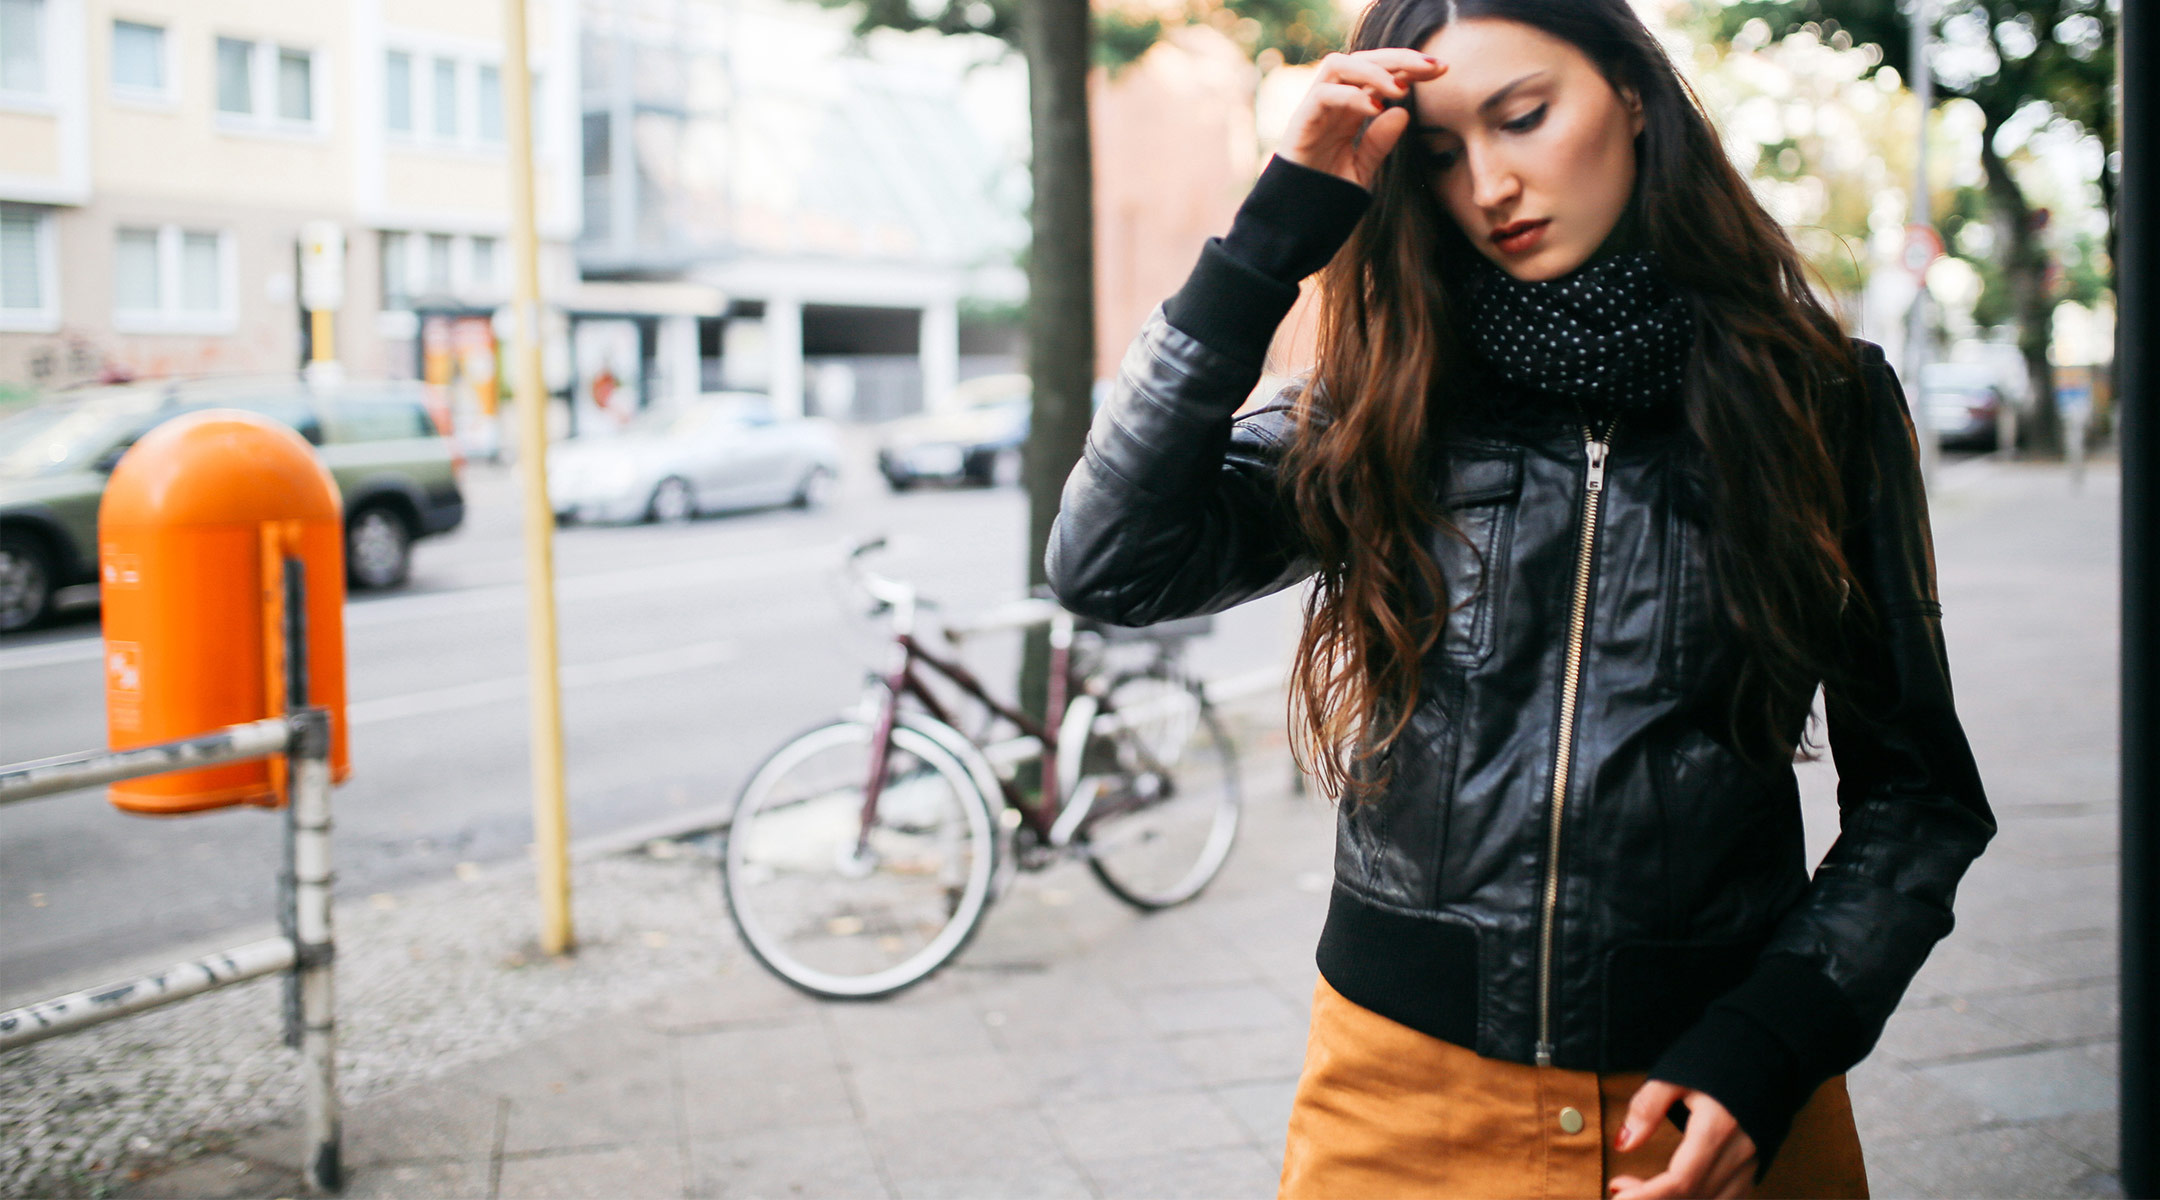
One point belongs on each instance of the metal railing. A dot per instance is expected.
(305, 947)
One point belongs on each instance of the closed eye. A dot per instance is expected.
(1526, 122)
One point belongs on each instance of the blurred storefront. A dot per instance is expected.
(836, 192)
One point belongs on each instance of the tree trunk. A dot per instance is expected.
(2025, 271)
(1054, 36)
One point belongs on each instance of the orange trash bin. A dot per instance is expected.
(192, 535)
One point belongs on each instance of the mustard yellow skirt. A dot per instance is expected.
(1385, 1111)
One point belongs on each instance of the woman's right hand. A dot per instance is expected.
(1344, 125)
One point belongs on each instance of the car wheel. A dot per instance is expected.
(816, 490)
(378, 548)
(26, 581)
(900, 483)
(672, 503)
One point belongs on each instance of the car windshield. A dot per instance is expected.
(673, 423)
(64, 435)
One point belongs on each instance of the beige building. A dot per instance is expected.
(159, 159)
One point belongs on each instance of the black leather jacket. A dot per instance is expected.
(1608, 888)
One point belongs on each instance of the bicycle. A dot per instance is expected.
(862, 855)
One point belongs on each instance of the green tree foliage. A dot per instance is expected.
(2002, 56)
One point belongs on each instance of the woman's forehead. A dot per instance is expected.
(1488, 60)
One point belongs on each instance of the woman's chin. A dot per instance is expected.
(1546, 262)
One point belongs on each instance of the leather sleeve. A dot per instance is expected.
(1173, 509)
(1912, 817)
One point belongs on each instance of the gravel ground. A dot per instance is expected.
(428, 979)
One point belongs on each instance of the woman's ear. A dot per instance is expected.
(1633, 99)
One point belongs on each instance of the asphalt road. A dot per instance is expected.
(689, 652)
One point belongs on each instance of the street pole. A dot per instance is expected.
(1922, 81)
(2137, 272)
(551, 817)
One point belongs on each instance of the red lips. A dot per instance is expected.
(1517, 236)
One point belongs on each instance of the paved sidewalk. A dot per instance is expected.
(1080, 1049)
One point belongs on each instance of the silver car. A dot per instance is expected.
(719, 452)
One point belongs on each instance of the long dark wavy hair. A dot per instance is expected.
(1770, 394)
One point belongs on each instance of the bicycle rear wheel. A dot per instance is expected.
(845, 914)
(1166, 813)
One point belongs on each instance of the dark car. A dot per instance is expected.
(1963, 403)
(977, 440)
(396, 473)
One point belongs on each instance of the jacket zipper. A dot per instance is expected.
(1596, 448)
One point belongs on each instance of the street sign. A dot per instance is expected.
(1922, 247)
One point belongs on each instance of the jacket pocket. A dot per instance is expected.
(1480, 497)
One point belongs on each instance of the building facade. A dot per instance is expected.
(160, 159)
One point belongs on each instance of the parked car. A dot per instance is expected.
(978, 440)
(722, 451)
(1963, 403)
(396, 473)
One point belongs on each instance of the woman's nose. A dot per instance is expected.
(1492, 183)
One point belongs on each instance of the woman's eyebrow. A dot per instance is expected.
(1499, 97)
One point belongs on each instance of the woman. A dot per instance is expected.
(1593, 493)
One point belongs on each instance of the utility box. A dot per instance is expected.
(193, 533)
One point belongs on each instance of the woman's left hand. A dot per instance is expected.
(1715, 1159)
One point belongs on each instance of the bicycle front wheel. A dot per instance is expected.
(1166, 806)
(842, 910)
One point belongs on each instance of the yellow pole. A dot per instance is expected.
(551, 817)
(322, 330)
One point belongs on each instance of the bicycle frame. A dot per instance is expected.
(905, 681)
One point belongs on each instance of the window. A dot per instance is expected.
(135, 271)
(138, 60)
(486, 264)
(490, 114)
(396, 270)
(446, 98)
(397, 92)
(264, 86)
(438, 262)
(235, 77)
(26, 270)
(167, 279)
(22, 47)
(295, 85)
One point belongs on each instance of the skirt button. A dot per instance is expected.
(1570, 1121)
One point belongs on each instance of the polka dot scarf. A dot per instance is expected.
(1612, 334)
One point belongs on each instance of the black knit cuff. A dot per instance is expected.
(1764, 1048)
(1291, 223)
(1294, 220)
(1229, 307)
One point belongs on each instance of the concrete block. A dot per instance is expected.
(452, 1179)
(2002, 1161)
(1262, 1109)
(2089, 1010)
(1210, 1174)
(1099, 1130)
(2045, 1083)
(1220, 1010)
(642, 1171)
(995, 1155)
(1242, 1056)
(632, 1106)
(830, 1162)
(435, 1121)
(888, 1087)
(952, 1025)
(1060, 1075)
